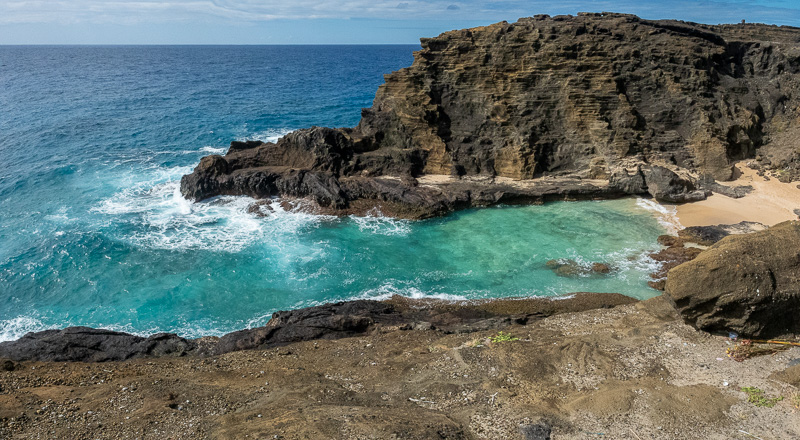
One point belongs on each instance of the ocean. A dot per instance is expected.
(93, 230)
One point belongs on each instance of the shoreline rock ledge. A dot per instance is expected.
(547, 108)
(324, 322)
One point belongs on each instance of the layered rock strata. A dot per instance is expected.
(593, 106)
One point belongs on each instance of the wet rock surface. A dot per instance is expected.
(601, 104)
(565, 267)
(747, 284)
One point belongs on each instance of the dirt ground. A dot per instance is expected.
(630, 372)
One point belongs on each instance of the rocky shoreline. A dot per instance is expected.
(532, 368)
(328, 321)
(547, 108)
(630, 371)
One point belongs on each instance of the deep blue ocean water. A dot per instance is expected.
(93, 231)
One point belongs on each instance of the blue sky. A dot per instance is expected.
(326, 22)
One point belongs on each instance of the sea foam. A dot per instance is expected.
(376, 223)
(667, 216)
(15, 328)
(269, 135)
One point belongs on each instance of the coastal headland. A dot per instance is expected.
(548, 108)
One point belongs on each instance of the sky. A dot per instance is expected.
(327, 22)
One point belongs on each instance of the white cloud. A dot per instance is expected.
(44, 11)
(152, 11)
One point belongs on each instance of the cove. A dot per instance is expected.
(163, 264)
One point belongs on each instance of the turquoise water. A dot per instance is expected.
(94, 232)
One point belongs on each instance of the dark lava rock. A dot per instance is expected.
(669, 240)
(708, 235)
(666, 185)
(648, 106)
(84, 344)
(669, 258)
(749, 284)
(539, 431)
(329, 321)
(734, 192)
(704, 235)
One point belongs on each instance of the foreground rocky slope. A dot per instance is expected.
(598, 105)
(630, 372)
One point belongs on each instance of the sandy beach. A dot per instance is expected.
(771, 202)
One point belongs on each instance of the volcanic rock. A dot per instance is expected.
(84, 344)
(547, 108)
(327, 321)
(569, 268)
(744, 283)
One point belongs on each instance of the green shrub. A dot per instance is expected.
(757, 397)
(503, 337)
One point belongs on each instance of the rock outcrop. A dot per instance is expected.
(86, 344)
(688, 245)
(598, 105)
(748, 284)
(327, 321)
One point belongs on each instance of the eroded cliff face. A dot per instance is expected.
(641, 106)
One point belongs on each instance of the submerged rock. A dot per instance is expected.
(749, 284)
(565, 267)
(637, 106)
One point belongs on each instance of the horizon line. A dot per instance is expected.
(202, 44)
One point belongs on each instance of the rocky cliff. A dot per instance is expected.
(597, 105)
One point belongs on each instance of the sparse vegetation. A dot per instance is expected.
(503, 337)
(758, 397)
(795, 400)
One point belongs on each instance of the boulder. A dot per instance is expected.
(666, 185)
(748, 284)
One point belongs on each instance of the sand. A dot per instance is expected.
(771, 202)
